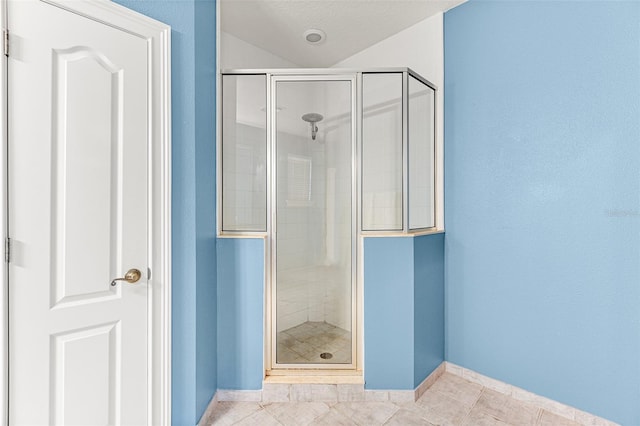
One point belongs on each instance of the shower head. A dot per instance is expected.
(312, 118)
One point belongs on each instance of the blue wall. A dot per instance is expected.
(542, 160)
(240, 313)
(205, 126)
(428, 302)
(388, 313)
(403, 310)
(193, 214)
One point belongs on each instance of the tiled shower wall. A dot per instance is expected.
(244, 188)
(382, 152)
(382, 207)
(300, 229)
(313, 237)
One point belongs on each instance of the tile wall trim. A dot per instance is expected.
(239, 395)
(515, 392)
(284, 392)
(208, 413)
(325, 392)
(429, 381)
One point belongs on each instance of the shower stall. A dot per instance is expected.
(312, 161)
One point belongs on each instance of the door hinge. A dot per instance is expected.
(5, 42)
(7, 250)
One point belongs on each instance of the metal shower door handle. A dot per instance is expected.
(132, 276)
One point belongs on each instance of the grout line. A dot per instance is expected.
(539, 416)
(472, 406)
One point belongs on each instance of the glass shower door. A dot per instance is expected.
(314, 223)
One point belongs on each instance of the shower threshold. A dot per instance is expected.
(316, 378)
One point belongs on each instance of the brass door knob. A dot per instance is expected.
(132, 276)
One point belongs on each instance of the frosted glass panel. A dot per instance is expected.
(382, 152)
(244, 153)
(421, 155)
(313, 222)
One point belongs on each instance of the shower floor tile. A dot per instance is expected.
(304, 343)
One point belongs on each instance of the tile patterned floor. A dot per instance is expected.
(305, 342)
(452, 400)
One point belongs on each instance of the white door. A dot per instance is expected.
(77, 154)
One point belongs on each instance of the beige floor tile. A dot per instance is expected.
(300, 393)
(261, 417)
(487, 382)
(297, 413)
(305, 342)
(506, 409)
(299, 332)
(479, 418)
(286, 355)
(550, 419)
(333, 418)
(457, 388)
(324, 393)
(275, 392)
(442, 409)
(450, 401)
(348, 393)
(367, 413)
(285, 339)
(374, 395)
(591, 420)
(542, 402)
(407, 417)
(409, 405)
(228, 413)
(402, 396)
(303, 349)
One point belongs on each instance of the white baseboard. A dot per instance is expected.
(515, 392)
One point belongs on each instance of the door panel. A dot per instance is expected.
(86, 89)
(77, 178)
(84, 361)
(314, 279)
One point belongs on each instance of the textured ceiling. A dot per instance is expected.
(350, 25)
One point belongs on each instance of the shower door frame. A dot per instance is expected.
(271, 365)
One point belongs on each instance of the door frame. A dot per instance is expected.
(158, 37)
(272, 367)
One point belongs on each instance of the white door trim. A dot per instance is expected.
(4, 293)
(158, 36)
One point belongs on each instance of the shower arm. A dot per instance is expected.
(312, 118)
